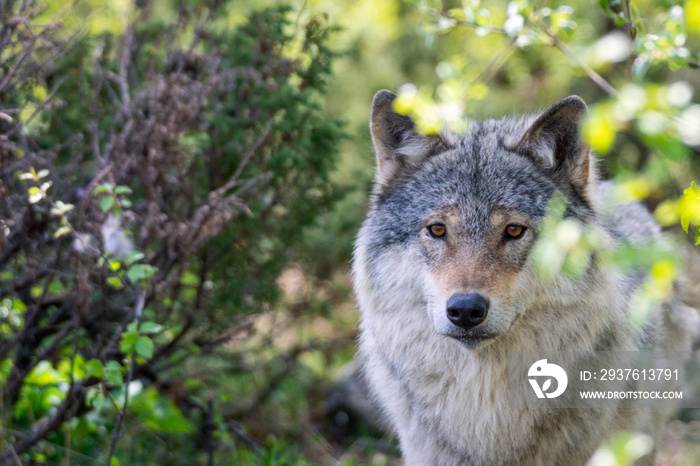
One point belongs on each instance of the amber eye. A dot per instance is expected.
(515, 231)
(437, 230)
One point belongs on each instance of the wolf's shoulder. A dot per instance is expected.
(629, 221)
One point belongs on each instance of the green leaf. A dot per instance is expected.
(144, 347)
(113, 373)
(133, 256)
(103, 188)
(150, 327)
(106, 203)
(133, 326)
(64, 230)
(139, 272)
(115, 283)
(18, 305)
(121, 189)
(61, 208)
(189, 279)
(158, 413)
(135, 273)
(129, 339)
(692, 15)
(94, 368)
(598, 129)
(689, 206)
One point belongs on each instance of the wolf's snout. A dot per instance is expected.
(467, 310)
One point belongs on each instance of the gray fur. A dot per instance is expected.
(444, 397)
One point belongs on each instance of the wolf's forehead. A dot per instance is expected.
(481, 175)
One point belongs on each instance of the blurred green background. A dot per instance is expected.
(181, 183)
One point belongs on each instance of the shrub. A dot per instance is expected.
(154, 178)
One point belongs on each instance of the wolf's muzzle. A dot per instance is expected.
(467, 310)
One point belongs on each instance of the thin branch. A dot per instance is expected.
(590, 72)
(233, 180)
(127, 382)
(627, 12)
(17, 64)
(238, 431)
(124, 63)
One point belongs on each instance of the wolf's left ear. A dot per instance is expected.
(554, 139)
(400, 148)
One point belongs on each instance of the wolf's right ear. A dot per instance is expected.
(399, 147)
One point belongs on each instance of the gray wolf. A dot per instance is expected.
(446, 286)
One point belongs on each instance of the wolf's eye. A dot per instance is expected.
(514, 231)
(437, 230)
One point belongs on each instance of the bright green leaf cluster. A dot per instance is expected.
(134, 339)
(114, 197)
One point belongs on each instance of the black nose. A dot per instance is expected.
(467, 310)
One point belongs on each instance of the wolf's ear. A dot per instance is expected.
(399, 147)
(554, 139)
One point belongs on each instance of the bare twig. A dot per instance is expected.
(590, 72)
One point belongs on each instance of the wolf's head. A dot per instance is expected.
(458, 215)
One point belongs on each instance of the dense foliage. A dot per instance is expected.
(154, 181)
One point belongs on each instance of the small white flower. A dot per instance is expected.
(513, 25)
(688, 125)
(613, 47)
(680, 93)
